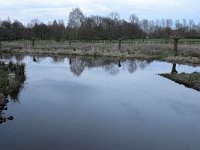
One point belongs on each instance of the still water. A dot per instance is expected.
(85, 103)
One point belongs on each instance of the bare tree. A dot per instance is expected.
(134, 19)
(169, 23)
(76, 18)
(145, 26)
(114, 16)
(191, 24)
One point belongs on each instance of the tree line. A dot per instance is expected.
(91, 28)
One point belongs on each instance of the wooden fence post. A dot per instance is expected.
(33, 42)
(120, 43)
(176, 45)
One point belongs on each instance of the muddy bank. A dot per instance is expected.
(189, 80)
(187, 54)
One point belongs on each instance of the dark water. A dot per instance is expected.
(83, 103)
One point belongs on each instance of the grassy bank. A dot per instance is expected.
(3, 77)
(187, 53)
(12, 77)
(3, 90)
(189, 80)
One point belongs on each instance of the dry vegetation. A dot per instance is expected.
(187, 53)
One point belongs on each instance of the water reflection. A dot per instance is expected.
(77, 66)
(181, 107)
(97, 110)
(134, 112)
(112, 66)
(174, 69)
(79, 63)
(11, 83)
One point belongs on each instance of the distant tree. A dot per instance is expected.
(114, 26)
(134, 19)
(93, 28)
(6, 30)
(169, 23)
(114, 16)
(76, 18)
(87, 30)
(0, 32)
(130, 30)
(98, 27)
(191, 24)
(145, 26)
(57, 30)
(18, 30)
(178, 25)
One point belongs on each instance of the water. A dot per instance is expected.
(82, 103)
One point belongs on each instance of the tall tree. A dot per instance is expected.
(76, 18)
(134, 19)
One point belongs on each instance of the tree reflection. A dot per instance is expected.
(58, 59)
(77, 66)
(12, 79)
(37, 58)
(143, 64)
(16, 79)
(112, 69)
(19, 58)
(132, 66)
(110, 65)
(174, 69)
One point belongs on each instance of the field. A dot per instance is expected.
(159, 49)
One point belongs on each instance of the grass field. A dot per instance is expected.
(188, 49)
(130, 41)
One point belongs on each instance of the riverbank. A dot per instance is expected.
(3, 88)
(3, 77)
(189, 80)
(12, 77)
(187, 53)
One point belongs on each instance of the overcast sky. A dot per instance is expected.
(48, 10)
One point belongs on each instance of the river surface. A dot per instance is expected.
(86, 103)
